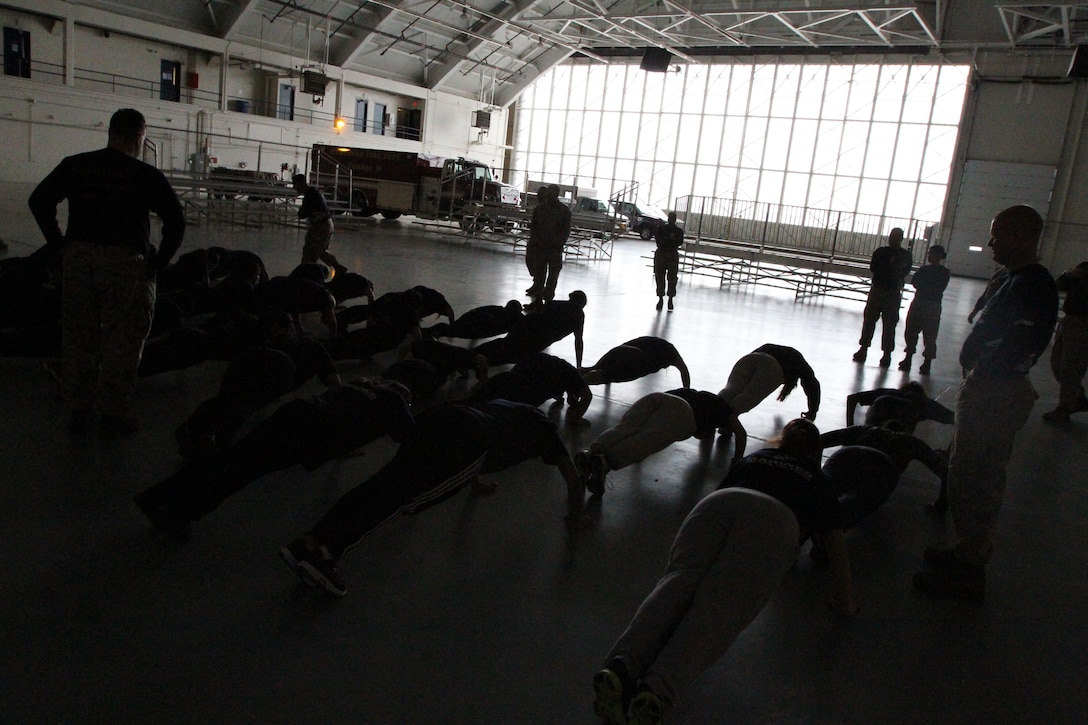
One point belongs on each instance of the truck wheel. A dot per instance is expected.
(391, 214)
(644, 232)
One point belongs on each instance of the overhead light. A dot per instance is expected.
(339, 124)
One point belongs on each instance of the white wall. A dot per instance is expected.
(41, 121)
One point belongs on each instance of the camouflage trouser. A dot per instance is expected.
(923, 317)
(1069, 360)
(989, 413)
(316, 246)
(882, 304)
(107, 303)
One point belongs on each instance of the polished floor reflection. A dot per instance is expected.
(485, 609)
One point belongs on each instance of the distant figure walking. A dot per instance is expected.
(315, 210)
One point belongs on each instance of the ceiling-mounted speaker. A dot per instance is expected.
(1078, 67)
(655, 60)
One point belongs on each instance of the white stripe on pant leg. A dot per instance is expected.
(457, 480)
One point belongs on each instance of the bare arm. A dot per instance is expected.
(740, 434)
(851, 406)
(685, 375)
(579, 403)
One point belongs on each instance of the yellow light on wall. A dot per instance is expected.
(339, 124)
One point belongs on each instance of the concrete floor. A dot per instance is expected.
(485, 609)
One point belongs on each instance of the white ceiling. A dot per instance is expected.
(492, 49)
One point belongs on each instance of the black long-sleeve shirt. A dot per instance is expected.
(902, 448)
(110, 197)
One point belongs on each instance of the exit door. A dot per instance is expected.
(170, 81)
(16, 52)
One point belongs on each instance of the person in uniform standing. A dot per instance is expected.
(890, 266)
(669, 238)
(548, 232)
(1069, 356)
(993, 403)
(108, 269)
(924, 315)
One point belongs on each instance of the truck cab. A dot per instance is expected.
(642, 219)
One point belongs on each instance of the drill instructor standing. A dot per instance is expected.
(108, 268)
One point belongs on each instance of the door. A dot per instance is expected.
(360, 115)
(16, 52)
(409, 121)
(169, 80)
(378, 126)
(285, 103)
(986, 188)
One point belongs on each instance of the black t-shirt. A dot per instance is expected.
(517, 432)
(293, 295)
(711, 412)
(930, 282)
(110, 195)
(552, 375)
(890, 266)
(346, 417)
(797, 484)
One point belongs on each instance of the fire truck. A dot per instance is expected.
(391, 183)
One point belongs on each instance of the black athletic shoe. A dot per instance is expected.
(904, 364)
(312, 568)
(924, 370)
(609, 699)
(670, 304)
(660, 303)
(886, 360)
(166, 520)
(860, 355)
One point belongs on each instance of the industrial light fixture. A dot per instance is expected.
(339, 124)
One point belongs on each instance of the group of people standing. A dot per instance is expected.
(733, 547)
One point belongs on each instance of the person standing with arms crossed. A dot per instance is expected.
(890, 266)
(315, 210)
(108, 268)
(993, 403)
(669, 238)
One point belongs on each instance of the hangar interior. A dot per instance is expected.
(486, 609)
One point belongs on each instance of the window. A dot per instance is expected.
(360, 115)
(874, 138)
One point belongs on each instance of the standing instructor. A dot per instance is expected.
(108, 268)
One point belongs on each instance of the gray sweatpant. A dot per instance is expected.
(726, 561)
(652, 424)
(753, 378)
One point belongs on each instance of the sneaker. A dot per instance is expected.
(608, 698)
(924, 370)
(176, 526)
(660, 303)
(670, 304)
(904, 364)
(81, 421)
(581, 462)
(598, 471)
(646, 709)
(967, 583)
(313, 568)
(117, 426)
(886, 360)
(860, 355)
